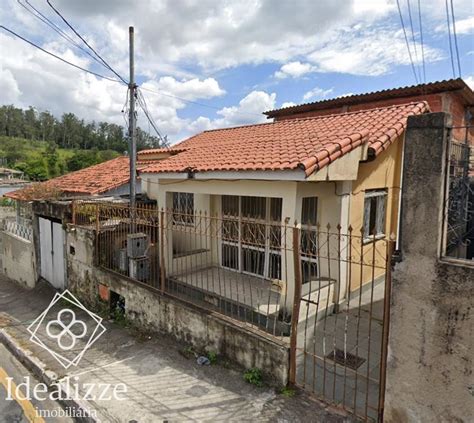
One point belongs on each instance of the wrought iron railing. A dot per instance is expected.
(458, 240)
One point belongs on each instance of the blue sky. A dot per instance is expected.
(238, 57)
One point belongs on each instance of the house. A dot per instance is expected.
(11, 180)
(39, 225)
(341, 170)
(452, 96)
(107, 178)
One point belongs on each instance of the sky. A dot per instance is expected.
(205, 64)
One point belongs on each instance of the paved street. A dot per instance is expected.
(162, 383)
(21, 410)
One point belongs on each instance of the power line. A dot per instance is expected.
(57, 57)
(406, 41)
(144, 106)
(38, 15)
(85, 42)
(421, 40)
(449, 38)
(455, 38)
(195, 102)
(413, 33)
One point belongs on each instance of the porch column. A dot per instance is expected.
(345, 188)
(291, 212)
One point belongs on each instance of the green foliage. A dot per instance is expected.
(69, 131)
(81, 159)
(287, 392)
(254, 376)
(212, 356)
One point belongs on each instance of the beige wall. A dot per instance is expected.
(18, 259)
(383, 172)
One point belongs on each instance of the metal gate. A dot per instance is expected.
(52, 253)
(339, 343)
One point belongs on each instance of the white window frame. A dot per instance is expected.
(381, 196)
(183, 208)
(267, 250)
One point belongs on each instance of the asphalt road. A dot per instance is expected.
(22, 411)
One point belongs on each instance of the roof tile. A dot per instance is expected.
(307, 143)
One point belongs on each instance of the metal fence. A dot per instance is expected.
(458, 239)
(321, 289)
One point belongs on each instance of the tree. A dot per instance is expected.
(52, 159)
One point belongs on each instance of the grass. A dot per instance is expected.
(287, 392)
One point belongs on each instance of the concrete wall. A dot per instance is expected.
(152, 311)
(431, 342)
(18, 259)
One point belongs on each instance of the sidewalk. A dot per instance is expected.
(162, 383)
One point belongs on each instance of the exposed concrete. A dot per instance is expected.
(429, 374)
(162, 383)
(18, 259)
(205, 330)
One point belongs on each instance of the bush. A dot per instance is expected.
(254, 376)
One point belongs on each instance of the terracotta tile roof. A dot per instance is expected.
(160, 150)
(421, 89)
(92, 180)
(308, 144)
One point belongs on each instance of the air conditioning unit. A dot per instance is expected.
(137, 245)
(122, 260)
(139, 268)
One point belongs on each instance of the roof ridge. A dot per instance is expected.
(393, 106)
(421, 87)
(354, 112)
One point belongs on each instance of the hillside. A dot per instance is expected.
(41, 160)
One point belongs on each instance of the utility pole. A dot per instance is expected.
(131, 128)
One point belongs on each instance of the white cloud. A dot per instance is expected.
(367, 51)
(288, 104)
(317, 92)
(470, 81)
(463, 26)
(249, 110)
(294, 69)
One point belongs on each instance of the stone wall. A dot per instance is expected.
(431, 342)
(152, 311)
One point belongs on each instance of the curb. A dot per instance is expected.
(39, 370)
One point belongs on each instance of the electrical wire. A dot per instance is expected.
(406, 41)
(194, 102)
(455, 39)
(449, 38)
(421, 41)
(142, 103)
(413, 34)
(85, 42)
(40, 16)
(58, 57)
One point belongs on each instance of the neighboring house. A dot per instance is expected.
(40, 226)
(108, 178)
(453, 96)
(11, 180)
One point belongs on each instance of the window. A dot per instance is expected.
(309, 239)
(251, 235)
(183, 208)
(374, 214)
